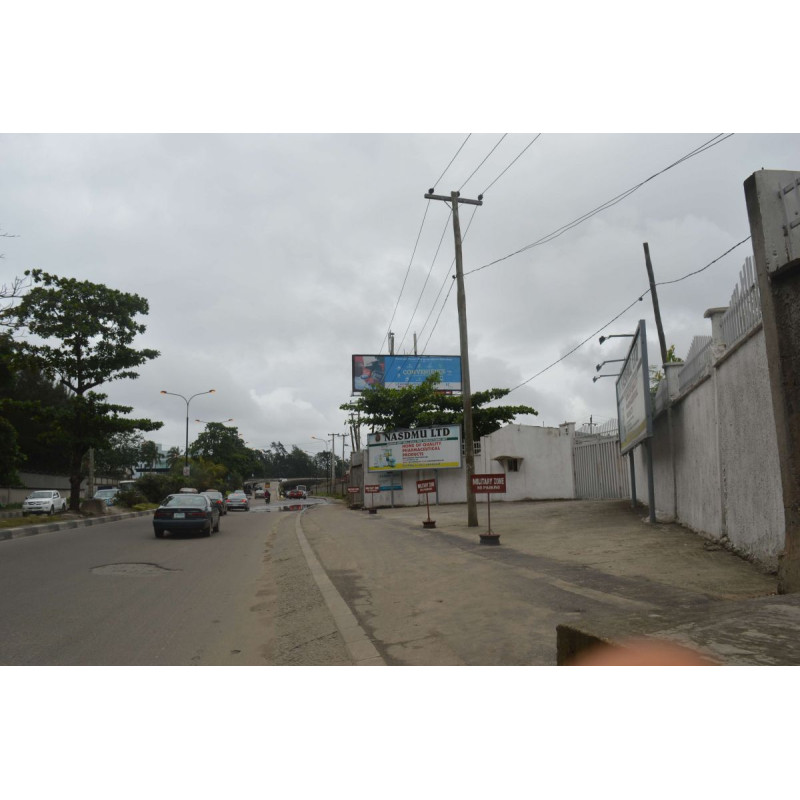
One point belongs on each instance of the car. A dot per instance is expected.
(188, 490)
(186, 512)
(303, 489)
(44, 501)
(217, 498)
(108, 496)
(259, 494)
(296, 493)
(237, 500)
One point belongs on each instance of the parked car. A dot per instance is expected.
(237, 500)
(186, 512)
(217, 498)
(108, 496)
(44, 501)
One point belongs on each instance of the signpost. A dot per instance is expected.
(372, 489)
(426, 487)
(489, 484)
(353, 491)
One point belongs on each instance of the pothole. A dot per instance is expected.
(131, 570)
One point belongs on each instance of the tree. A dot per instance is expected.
(121, 456)
(421, 406)
(174, 455)
(81, 335)
(148, 453)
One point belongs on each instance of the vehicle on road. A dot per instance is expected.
(186, 512)
(217, 498)
(237, 500)
(299, 492)
(259, 493)
(108, 496)
(44, 501)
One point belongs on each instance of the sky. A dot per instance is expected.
(257, 172)
(268, 260)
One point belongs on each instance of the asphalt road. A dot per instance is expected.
(115, 595)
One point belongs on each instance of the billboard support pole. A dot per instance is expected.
(633, 479)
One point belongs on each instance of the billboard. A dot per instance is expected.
(634, 406)
(414, 448)
(397, 372)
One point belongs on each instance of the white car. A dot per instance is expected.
(44, 501)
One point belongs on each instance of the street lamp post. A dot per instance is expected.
(187, 401)
(330, 490)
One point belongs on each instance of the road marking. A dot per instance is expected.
(360, 648)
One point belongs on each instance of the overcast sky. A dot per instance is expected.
(269, 259)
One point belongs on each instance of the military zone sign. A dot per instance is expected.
(634, 407)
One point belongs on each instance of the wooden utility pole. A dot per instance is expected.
(469, 449)
(661, 340)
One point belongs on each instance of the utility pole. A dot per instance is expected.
(661, 340)
(333, 455)
(469, 448)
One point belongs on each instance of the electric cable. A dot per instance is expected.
(713, 142)
(482, 162)
(628, 308)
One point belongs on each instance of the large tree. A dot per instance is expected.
(80, 334)
(422, 406)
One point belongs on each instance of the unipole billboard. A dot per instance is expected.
(398, 372)
(634, 407)
(414, 448)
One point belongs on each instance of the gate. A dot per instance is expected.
(601, 473)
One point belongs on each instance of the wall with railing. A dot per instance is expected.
(715, 456)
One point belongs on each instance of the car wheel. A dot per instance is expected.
(159, 533)
(51, 511)
(216, 527)
(207, 531)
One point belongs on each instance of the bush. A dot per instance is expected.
(154, 487)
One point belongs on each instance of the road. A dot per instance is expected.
(318, 584)
(114, 595)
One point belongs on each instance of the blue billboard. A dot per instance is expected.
(398, 372)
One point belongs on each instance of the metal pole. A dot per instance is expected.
(633, 479)
(651, 495)
(661, 340)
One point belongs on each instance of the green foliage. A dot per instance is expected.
(156, 486)
(80, 335)
(422, 406)
(121, 455)
(657, 375)
(10, 454)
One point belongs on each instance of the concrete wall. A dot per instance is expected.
(545, 470)
(715, 456)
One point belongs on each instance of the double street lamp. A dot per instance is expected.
(187, 401)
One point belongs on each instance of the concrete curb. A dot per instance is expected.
(361, 650)
(33, 530)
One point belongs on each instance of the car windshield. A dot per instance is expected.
(236, 494)
(215, 495)
(41, 494)
(185, 501)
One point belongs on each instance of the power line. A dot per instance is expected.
(416, 244)
(511, 164)
(482, 162)
(713, 142)
(627, 308)
(452, 160)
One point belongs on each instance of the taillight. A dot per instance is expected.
(195, 514)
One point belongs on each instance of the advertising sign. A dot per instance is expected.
(398, 372)
(489, 483)
(415, 448)
(427, 486)
(634, 407)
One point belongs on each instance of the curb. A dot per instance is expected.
(33, 530)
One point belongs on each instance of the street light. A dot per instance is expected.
(175, 394)
(214, 421)
(610, 361)
(617, 336)
(597, 377)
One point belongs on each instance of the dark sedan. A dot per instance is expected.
(186, 512)
(217, 498)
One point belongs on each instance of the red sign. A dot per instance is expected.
(489, 484)
(371, 488)
(427, 486)
(353, 490)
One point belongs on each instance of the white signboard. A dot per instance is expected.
(633, 395)
(415, 448)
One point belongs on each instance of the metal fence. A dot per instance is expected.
(698, 362)
(744, 309)
(600, 471)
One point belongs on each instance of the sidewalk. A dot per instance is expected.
(688, 589)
